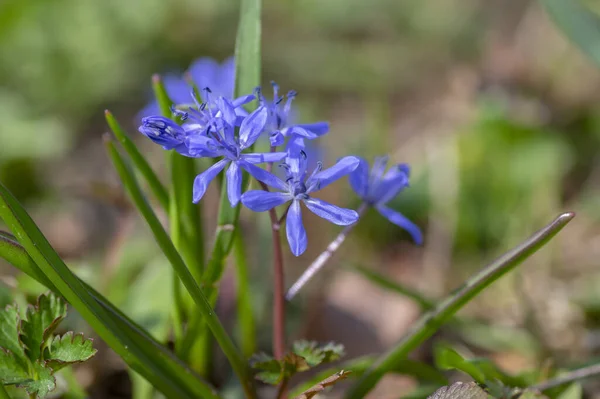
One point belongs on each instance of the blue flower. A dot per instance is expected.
(218, 139)
(170, 135)
(165, 132)
(297, 188)
(279, 124)
(377, 189)
(204, 72)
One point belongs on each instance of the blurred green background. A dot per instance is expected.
(487, 100)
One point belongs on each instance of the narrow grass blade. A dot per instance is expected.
(386, 283)
(579, 23)
(245, 313)
(126, 339)
(15, 254)
(432, 321)
(203, 306)
(157, 188)
(247, 48)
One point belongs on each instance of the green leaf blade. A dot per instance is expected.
(203, 305)
(130, 341)
(432, 321)
(9, 334)
(40, 322)
(69, 349)
(12, 371)
(269, 369)
(42, 383)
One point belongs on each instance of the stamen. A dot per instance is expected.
(275, 89)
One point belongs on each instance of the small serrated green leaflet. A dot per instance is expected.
(40, 322)
(293, 364)
(460, 390)
(309, 351)
(42, 383)
(315, 355)
(68, 349)
(11, 370)
(268, 369)
(9, 334)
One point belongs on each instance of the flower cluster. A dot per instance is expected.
(215, 125)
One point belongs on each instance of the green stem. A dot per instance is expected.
(236, 360)
(432, 321)
(245, 313)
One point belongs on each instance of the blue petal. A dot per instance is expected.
(204, 73)
(359, 179)
(378, 168)
(295, 145)
(234, 184)
(227, 77)
(178, 89)
(337, 171)
(294, 229)
(264, 176)
(317, 128)
(203, 179)
(200, 146)
(299, 131)
(227, 110)
(297, 159)
(243, 100)
(335, 214)
(162, 131)
(401, 221)
(252, 127)
(394, 181)
(276, 138)
(264, 157)
(260, 201)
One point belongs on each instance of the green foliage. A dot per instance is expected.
(40, 322)
(145, 355)
(315, 355)
(29, 354)
(69, 349)
(304, 356)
